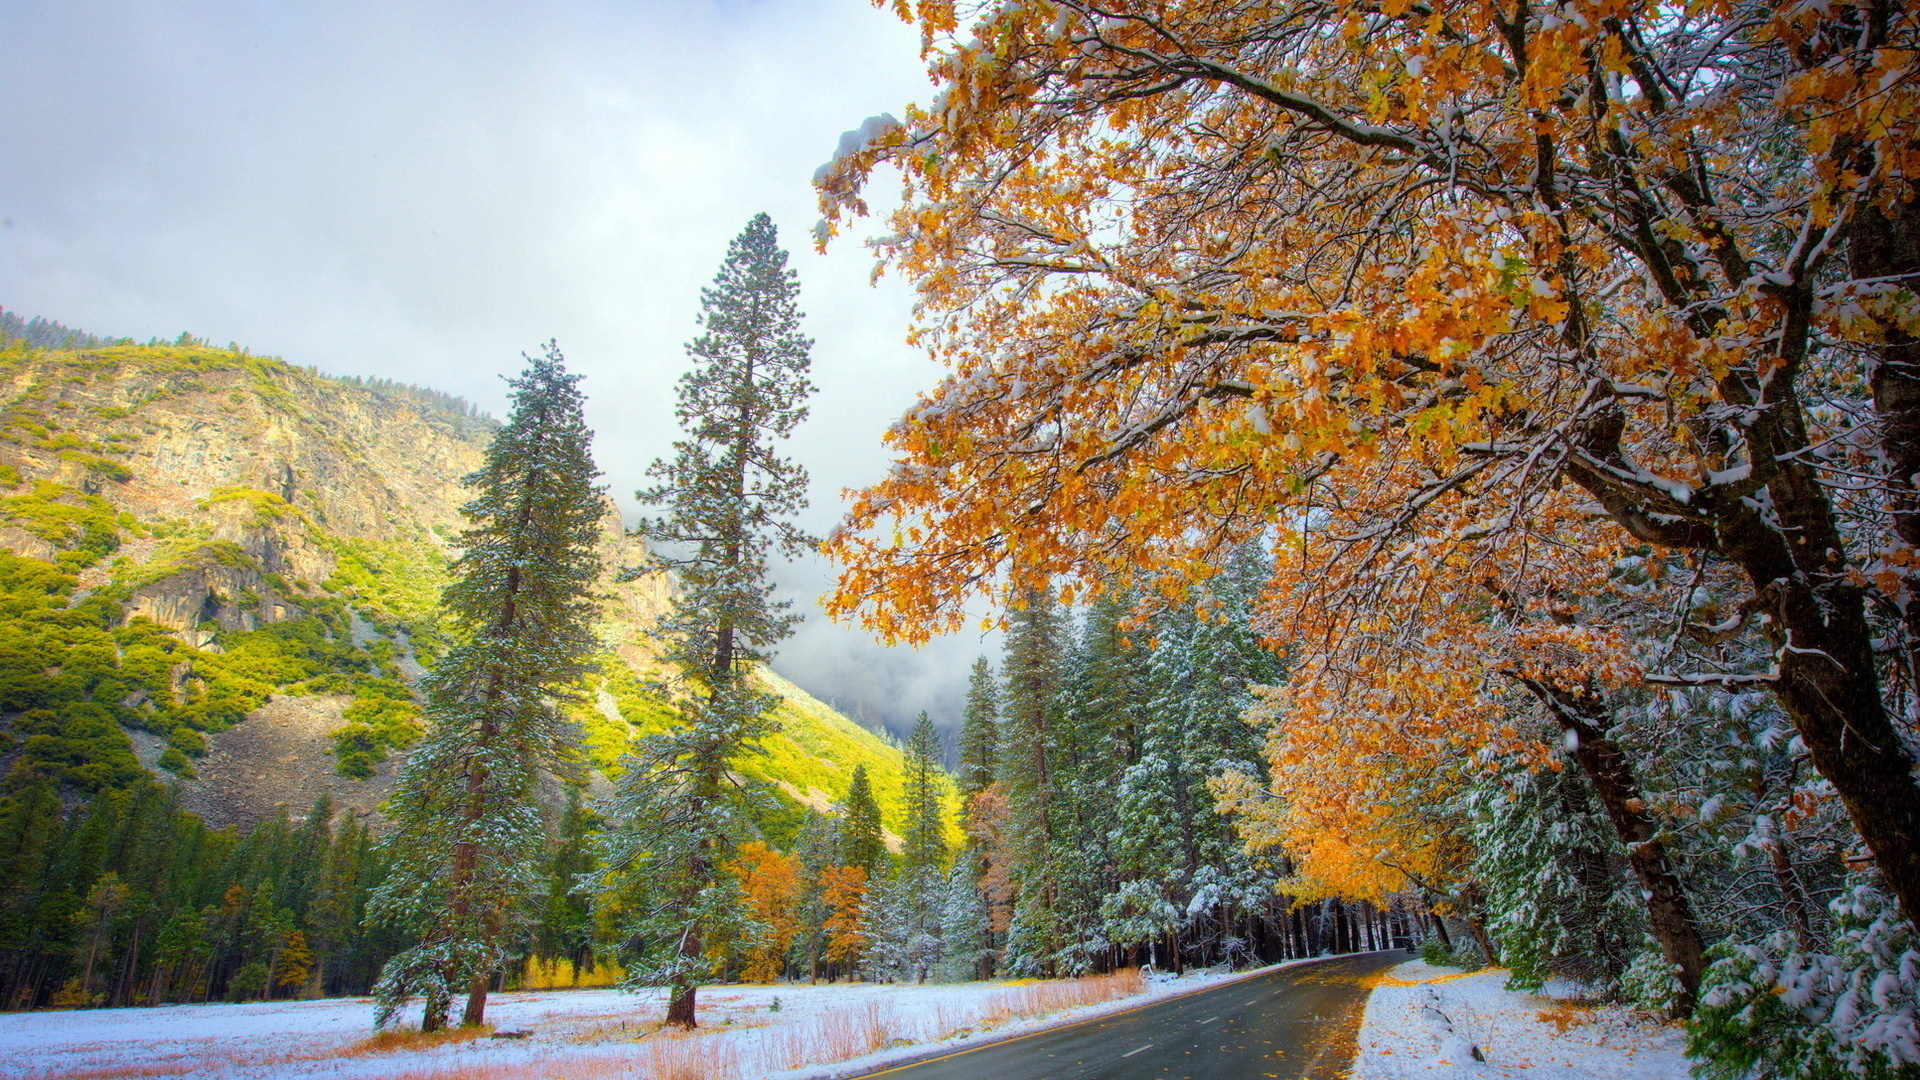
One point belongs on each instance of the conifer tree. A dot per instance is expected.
(859, 842)
(467, 833)
(979, 731)
(1036, 645)
(924, 847)
(966, 935)
(727, 499)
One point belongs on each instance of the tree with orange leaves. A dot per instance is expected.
(844, 891)
(770, 889)
(1486, 283)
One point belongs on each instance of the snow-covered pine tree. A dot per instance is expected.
(1035, 651)
(924, 851)
(728, 500)
(1563, 899)
(966, 936)
(1095, 740)
(979, 732)
(467, 833)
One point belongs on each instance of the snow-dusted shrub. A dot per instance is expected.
(1772, 1010)
(1651, 981)
(1560, 899)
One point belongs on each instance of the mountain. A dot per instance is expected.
(223, 571)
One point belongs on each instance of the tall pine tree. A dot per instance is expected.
(979, 731)
(727, 499)
(924, 847)
(858, 841)
(1037, 640)
(467, 832)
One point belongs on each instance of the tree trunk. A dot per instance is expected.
(1583, 715)
(476, 1012)
(1793, 555)
(1792, 897)
(1440, 930)
(680, 1007)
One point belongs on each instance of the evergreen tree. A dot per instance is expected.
(728, 499)
(467, 832)
(1557, 878)
(1036, 645)
(979, 732)
(966, 936)
(924, 848)
(859, 842)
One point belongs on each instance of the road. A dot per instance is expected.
(1297, 1023)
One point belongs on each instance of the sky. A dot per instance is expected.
(424, 191)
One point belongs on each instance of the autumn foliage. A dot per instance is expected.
(844, 891)
(770, 888)
(1522, 327)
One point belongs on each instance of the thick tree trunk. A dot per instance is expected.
(680, 1007)
(476, 1012)
(1669, 914)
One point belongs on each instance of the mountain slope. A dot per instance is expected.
(224, 569)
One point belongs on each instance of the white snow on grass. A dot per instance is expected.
(1425, 1023)
(815, 1032)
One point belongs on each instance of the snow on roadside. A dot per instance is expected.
(1425, 1023)
(745, 1031)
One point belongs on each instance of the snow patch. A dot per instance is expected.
(1439, 1024)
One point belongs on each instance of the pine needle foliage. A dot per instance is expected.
(468, 834)
(925, 844)
(726, 500)
(979, 731)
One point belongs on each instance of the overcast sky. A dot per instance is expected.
(425, 190)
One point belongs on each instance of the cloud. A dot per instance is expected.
(423, 191)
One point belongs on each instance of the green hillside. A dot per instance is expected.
(212, 563)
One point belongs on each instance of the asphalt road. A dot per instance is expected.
(1297, 1023)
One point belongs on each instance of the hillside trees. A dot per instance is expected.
(468, 835)
(727, 499)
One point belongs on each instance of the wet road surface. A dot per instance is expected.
(1297, 1023)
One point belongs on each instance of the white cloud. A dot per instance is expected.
(424, 191)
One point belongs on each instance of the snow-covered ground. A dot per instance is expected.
(1424, 1023)
(792, 1032)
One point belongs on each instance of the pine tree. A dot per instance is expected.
(728, 500)
(468, 833)
(859, 842)
(924, 847)
(966, 936)
(979, 732)
(1036, 646)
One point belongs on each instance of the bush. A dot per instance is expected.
(1467, 957)
(1770, 1009)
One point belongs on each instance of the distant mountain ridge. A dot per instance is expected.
(224, 569)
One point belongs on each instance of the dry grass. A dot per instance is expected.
(400, 1040)
(1040, 999)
